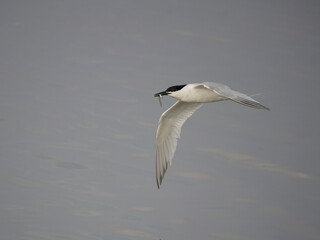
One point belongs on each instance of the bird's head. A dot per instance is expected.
(170, 91)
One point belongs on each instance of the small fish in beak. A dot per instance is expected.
(160, 96)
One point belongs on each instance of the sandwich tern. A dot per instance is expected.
(190, 98)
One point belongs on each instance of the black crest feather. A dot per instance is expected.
(175, 88)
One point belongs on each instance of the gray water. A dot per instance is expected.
(78, 120)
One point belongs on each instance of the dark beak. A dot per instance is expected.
(160, 94)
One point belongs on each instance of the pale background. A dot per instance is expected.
(78, 120)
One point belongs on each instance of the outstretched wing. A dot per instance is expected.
(238, 97)
(168, 132)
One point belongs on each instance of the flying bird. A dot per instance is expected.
(190, 98)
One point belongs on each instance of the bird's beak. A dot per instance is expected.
(160, 94)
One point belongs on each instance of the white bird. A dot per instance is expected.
(190, 98)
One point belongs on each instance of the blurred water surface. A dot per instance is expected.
(78, 121)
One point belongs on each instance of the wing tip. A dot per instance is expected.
(266, 108)
(160, 171)
(260, 106)
(158, 183)
(161, 174)
(250, 103)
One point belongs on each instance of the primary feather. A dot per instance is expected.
(168, 132)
